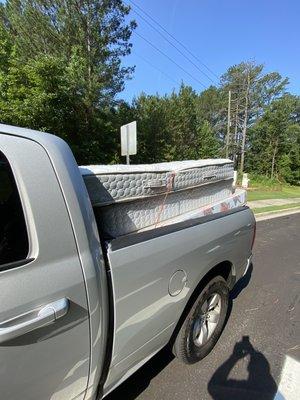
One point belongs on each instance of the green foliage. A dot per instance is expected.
(208, 145)
(252, 91)
(274, 148)
(172, 127)
(61, 70)
(261, 181)
(275, 191)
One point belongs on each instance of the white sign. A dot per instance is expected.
(245, 181)
(128, 139)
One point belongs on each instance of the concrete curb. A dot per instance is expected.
(273, 202)
(275, 214)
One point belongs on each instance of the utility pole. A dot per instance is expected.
(236, 135)
(228, 124)
(127, 146)
(245, 124)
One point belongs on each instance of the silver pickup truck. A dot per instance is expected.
(78, 315)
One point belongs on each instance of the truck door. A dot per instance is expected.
(44, 327)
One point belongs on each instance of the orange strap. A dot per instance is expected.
(170, 185)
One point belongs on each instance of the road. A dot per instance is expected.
(263, 328)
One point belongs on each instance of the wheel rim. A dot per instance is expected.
(206, 323)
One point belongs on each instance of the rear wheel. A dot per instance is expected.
(204, 323)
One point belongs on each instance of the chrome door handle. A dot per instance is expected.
(32, 320)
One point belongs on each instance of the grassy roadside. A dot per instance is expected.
(275, 208)
(263, 188)
(265, 193)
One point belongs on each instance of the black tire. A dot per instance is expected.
(184, 347)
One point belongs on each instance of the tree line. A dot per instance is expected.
(61, 71)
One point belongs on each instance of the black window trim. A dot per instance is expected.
(28, 259)
(15, 264)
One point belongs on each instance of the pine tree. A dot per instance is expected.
(274, 141)
(64, 69)
(252, 90)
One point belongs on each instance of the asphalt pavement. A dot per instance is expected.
(261, 336)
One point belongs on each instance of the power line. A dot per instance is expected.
(158, 69)
(172, 44)
(174, 38)
(170, 59)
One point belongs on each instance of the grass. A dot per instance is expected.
(264, 193)
(262, 188)
(275, 208)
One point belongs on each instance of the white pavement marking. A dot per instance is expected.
(289, 385)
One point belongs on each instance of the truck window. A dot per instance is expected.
(14, 244)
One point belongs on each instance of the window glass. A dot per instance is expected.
(13, 234)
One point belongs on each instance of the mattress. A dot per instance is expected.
(108, 184)
(237, 199)
(127, 199)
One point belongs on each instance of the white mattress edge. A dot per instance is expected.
(172, 166)
(237, 199)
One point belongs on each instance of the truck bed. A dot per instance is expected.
(142, 266)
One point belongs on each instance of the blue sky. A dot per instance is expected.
(218, 32)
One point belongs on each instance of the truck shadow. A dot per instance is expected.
(241, 283)
(140, 380)
(258, 385)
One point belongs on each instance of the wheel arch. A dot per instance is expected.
(225, 269)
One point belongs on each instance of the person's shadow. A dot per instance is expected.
(260, 384)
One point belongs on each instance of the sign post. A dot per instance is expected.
(128, 140)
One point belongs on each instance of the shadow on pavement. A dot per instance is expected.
(259, 385)
(241, 283)
(140, 380)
